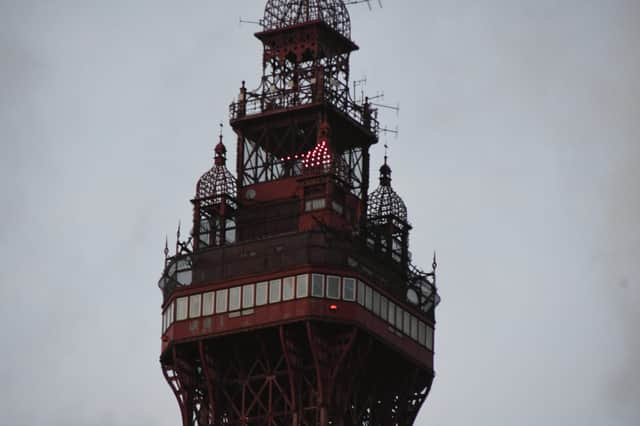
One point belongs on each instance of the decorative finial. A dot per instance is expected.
(166, 247)
(220, 151)
(386, 152)
(435, 263)
(385, 170)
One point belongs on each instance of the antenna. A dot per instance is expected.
(246, 21)
(395, 132)
(395, 108)
(368, 2)
(356, 83)
(379, 95)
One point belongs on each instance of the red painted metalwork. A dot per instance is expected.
(294, 301)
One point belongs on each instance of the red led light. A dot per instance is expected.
(333, 307)
(318, 156)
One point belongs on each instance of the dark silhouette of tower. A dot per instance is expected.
(294, 301)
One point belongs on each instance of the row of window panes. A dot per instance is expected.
(316, 204)
(289, 288)
(237, 298)
(393, 314)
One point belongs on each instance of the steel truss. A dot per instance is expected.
(303, 374)
(276, 153)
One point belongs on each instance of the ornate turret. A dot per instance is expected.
(217, 182)
(384, 203)
(387, 219)
(215, 203)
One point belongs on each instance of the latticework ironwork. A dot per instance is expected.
(286, 13)
(384, 203)
(218, 182)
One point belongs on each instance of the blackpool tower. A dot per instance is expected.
(294, 300)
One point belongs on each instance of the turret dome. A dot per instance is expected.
(286, 13)
(218, 181)
(384, 203)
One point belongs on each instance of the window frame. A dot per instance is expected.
(212, 296)
(248, 296)
(339, 287)
(322, 285)
(222, 301)
(288, 282)
(235, 298)
(195, 300)
(302, 284)
(354, 284)
(273, 284)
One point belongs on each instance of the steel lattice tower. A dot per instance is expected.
(294, 301)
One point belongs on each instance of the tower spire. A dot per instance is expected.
(220, 150)
(385, 170)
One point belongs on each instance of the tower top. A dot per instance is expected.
(279, 14)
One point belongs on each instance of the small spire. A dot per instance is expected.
(166, 247)
(385, 173)
(435, 263)
(386, 152)
(178, 237)
(220, 151)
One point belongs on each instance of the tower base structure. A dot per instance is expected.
(308, 373)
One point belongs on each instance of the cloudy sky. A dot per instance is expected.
(518, 157)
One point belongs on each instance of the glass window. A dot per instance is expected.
(302, 289)
(349, 289)
(399, 316)
(262, 293)
(316, 204)
(247, 296)
(361, 293)
(406, 324)
(274, 291)
(383, 307)
(181, 308)
(194, 306)
(171, 314)
(429, 338)
(376, 303)
(414, 328)
(184, 277)
(422, 333)
(368, 297)
(333, 287)
(391, 313)
(221, 301)
(288, 288)
(164, 321)
(234, 298)
(317, 285)
(337, 207)
(207, 303)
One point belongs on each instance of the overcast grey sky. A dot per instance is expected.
(518, 160)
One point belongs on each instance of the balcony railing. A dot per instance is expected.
(330, 91)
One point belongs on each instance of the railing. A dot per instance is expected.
(331, 91)
(292, 251)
